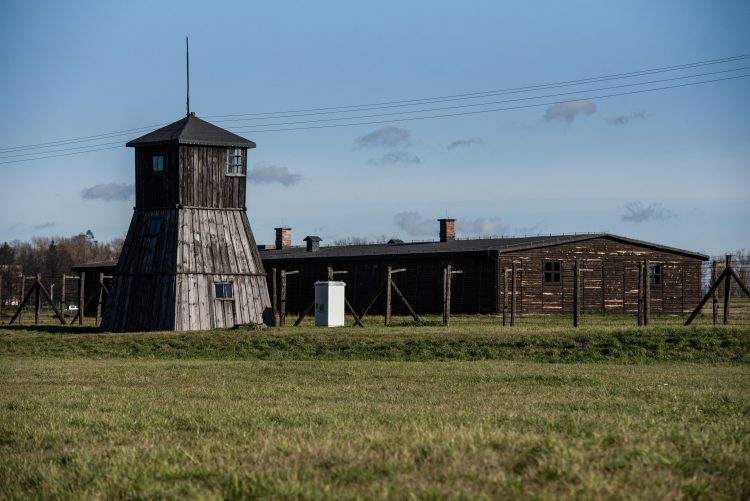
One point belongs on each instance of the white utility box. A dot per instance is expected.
(329, 304)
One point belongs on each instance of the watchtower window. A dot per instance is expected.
(234, 161)
(654, 274)
(223, 291)
(552, 272)
(158, 163)
(154, 226)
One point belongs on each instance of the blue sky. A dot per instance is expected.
(671, 166)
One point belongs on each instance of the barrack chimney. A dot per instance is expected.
(447, 229)
(283, 237)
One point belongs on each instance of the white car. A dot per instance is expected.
(72, 307)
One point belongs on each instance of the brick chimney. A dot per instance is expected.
(313, 243)
(447, 230)
(283, 237)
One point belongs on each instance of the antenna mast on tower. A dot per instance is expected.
(187, 53)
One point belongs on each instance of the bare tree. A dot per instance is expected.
(382, 239)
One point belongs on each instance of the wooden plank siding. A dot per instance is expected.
(166, 281)
(201, 182)
(611, 285)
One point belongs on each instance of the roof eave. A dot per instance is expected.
(133, 144)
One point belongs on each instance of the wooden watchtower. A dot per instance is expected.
(190, 261)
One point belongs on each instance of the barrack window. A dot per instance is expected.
(234, 161)
(654, 274)
(223, 291)
(158, 163)
(552, 272)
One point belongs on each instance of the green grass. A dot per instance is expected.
(156, 429)
(406, 411)
(468, 338)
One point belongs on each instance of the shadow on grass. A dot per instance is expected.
(52, 329)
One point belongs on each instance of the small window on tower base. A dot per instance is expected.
(154, 226)
(223, 291)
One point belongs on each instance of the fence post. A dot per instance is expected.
(1, 294)
(715, 276)
(513, 295)
(274, 304)
(505, 296)
(388, 296)
(282, 309)
(62, 295)
(81, 285)
(99, 296)
(576, 293)
(445, 290)
(20, 298)
(727, 288)
(647, 293)
(640, 294)
(448, 295)
(38, 297)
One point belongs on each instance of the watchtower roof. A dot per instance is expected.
(192, 130)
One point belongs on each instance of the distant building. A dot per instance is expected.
(545, 284)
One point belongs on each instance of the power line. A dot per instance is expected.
(349, 109)
(434, 116)
(509, 91)
(81, 139)
(499, 109)
(428, 110)
(505, 101)
(64, 149)
(61, 155)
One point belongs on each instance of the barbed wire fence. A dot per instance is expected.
(63, 290)
(471, 299)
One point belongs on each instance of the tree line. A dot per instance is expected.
(57, 255)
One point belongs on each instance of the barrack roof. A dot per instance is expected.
(102, 266)
(475, 246)
(192, 130)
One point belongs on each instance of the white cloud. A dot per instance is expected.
(272, 174)
(414, 225)
(623, 119)
(109, 191)
(530, 230)
(467, 142)
(394, 157)
(568, 110)
(386, 137)
(482, 226)
(636, 212)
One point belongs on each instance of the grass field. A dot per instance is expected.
(541, 339)
(474, 411)
(81, 429)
